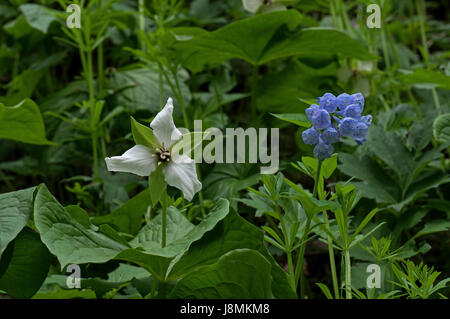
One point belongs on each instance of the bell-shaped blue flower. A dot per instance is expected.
(323, 150)
(330, 135)
(367, 119)
(358, 98)
(347, 126)
(321, 119)
(343, 100)
(353, 110)
(360, 130)
(311, 110)
(310, 136)
(328, 102)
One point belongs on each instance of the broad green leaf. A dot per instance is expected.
(233, 232)
(299, 119)
(296, 86)
(128, 217)
(245, 39)
(15, 211)
(66, 238)
(226, 180)
(314, 42)
(441, 128)
(426, 77)
(38, 16)
(389, 148)
(18, 27)
(433, 226)
(143, 135)
(66, 294)
(376, 183)
(157, 185)
(23, 122)
(426, 181)
(148, 252)
(237, 40)
(241, 273)
(150, 236)
(139, 89)
(329, 165)
(24, 265)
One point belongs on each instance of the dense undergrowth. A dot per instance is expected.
(359, 207)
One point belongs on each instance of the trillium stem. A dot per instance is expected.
(164, 219)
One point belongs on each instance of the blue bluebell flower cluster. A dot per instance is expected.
(334, 117)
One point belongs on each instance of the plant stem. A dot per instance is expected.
(291, 271)
(301, 255)
(426, 56)
(332, 259)
(348, 275)
(164, 220)
(100, 66)
(316, 180)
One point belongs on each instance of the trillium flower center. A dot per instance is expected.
(163, 155)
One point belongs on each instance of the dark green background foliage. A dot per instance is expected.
(67, 97)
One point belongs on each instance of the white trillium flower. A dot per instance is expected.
(254, 6)
(179, 170)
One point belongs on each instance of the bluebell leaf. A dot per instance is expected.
(311, 110)
(323, 150)
(353, 110)
(321, 119)
(310, 136)
(347, 126)
(328, 102)
(330, 135)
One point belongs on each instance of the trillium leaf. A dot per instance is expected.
(24, 265)
(67, 238)
(143, 135)
(156, 185)
(128, 217)
(241, 273)
(233, 232)
(15, 210)
(66, 294)
(147, 251)
(23, 122)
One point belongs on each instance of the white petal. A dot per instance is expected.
(137, 160)
(252, 5)
(180, 173)
(164, 127)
